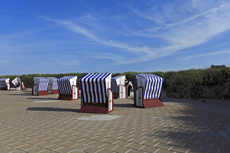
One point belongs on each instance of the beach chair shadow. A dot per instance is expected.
(52, 109)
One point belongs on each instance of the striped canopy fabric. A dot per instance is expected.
(117, 80)
(53, 80)
(65, 84)
(153, 85)
(15, 81)
(4, 81)
(94, 87)
(42, 83)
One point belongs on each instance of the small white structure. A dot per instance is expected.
(53, 85)
(118, 87)
(15, 82)
(148, 92)
(40, 86)
(4, 84)
(67, 87)
(96, 93)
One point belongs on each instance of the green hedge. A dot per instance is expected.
(195, 83)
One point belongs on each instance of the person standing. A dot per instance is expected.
(129, 85)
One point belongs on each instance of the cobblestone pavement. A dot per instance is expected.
(44, 124)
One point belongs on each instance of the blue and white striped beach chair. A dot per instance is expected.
(4, 84)
(148, 92)
(118, 87)
(53, 85)
(67, 87)
(40, 86)
(96, 93)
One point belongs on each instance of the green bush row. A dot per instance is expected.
(193, 83)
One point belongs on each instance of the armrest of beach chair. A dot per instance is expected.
(35, 89)
(110, 100)
(8, 86)
(75, 92)
(138, 96)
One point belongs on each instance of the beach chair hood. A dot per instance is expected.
(94, 87)
(152, 85)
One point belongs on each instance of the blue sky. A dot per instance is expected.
(63, 36)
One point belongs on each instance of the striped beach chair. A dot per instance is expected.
(67, 87)
(96, 93)
(118, 87)
(40, 86)
(4, 84)
(53, 85)
(148, 93)
(15, 83)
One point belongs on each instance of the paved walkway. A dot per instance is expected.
(43, 124)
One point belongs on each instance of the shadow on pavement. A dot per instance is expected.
(52, 109)
(194, 130)
(36, 98)
(124, 105)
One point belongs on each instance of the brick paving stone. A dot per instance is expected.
(107, 146)
(148, 149)
(134, 146)
(91, 150)
(35, 149)
(51, 139)
(85, 141)
(9, 142)
(150, 144)
(64, 149)
(179, 149)
(26, 147)
(110, 140)
(53, 147)
(103, 151)
(160, 150)
(133, 151)
(113, 136)
(17, 151)
(7, 150)
(97, 143)
(163, 146)
(79, 147)
(17, 144)
(120, 149)
(59, 141)
(75, 139)
(133, 140)
(69, 144)
(44, 144)
(46, 151)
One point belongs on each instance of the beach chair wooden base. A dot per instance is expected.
(146, 103)
(150, 103)
(3, 88)
(95, 108)
(55, 92)
(41, 93)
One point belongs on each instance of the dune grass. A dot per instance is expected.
(211, 83)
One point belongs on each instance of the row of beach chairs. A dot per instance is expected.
(98, 90)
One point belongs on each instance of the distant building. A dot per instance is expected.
(218, 66)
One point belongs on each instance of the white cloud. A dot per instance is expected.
(207, 54)
(188, 32)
